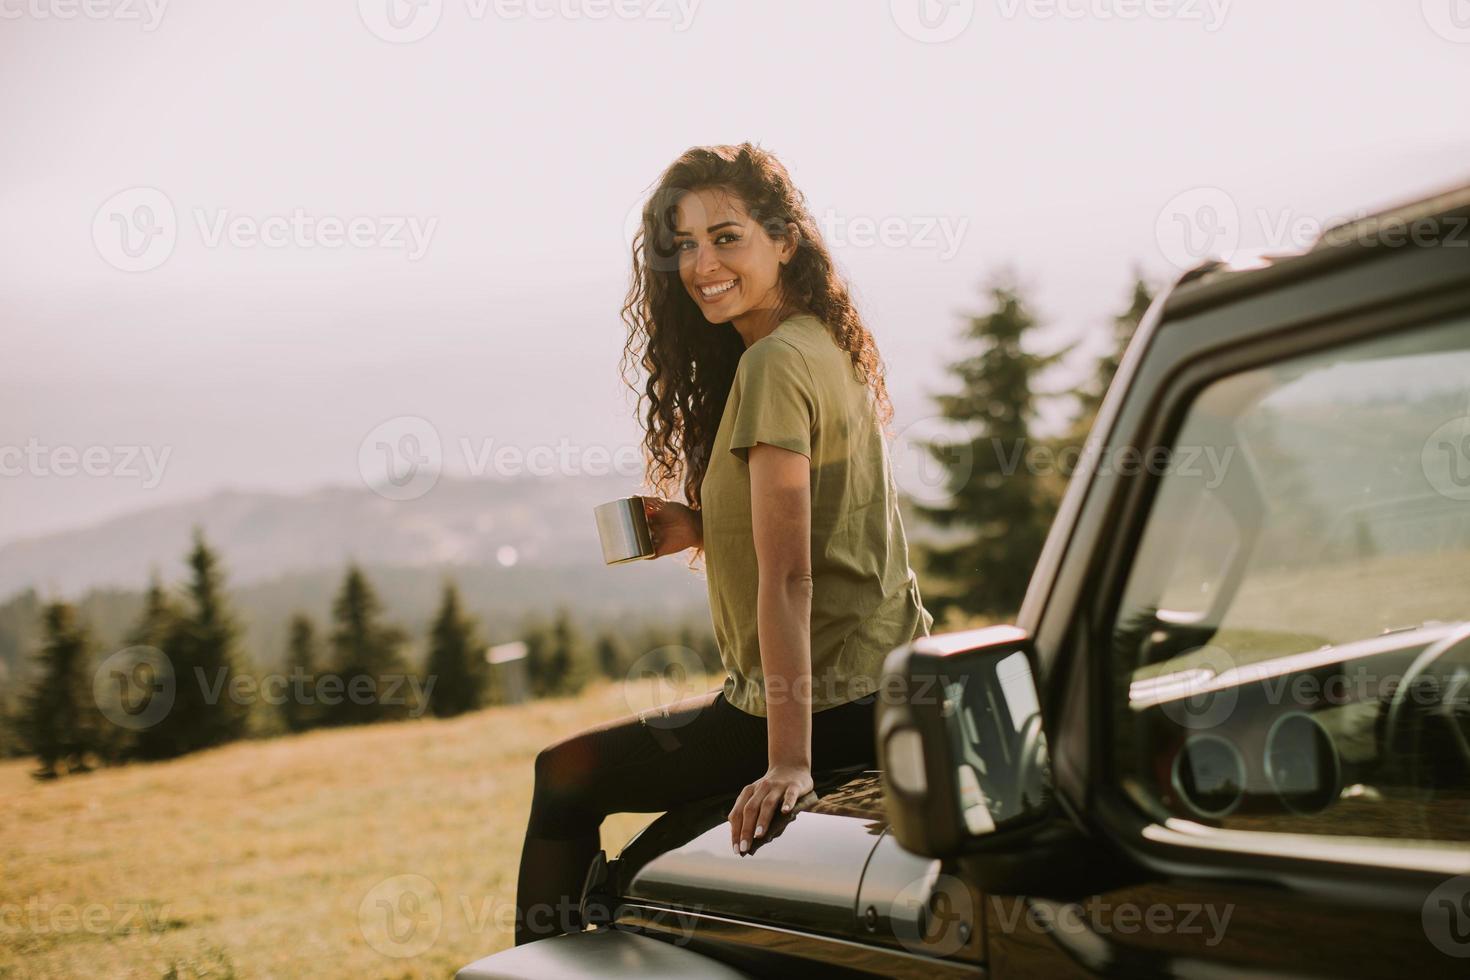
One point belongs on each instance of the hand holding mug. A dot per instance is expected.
(673, 526)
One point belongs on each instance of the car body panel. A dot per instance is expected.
(599, 953)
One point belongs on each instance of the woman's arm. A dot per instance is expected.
(780, 502)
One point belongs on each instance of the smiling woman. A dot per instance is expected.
(766, 396)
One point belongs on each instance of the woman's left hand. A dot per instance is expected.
(755, 808)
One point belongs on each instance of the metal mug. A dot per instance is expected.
(623, 527)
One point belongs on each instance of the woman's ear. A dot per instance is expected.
(790, 242)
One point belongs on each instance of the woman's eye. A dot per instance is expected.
(682, 244)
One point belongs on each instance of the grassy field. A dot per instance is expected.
(271, 858)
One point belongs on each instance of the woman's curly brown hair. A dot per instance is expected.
(691, 362)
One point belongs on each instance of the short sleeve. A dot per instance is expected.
(776, 400)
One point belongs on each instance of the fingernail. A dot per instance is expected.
(758, 829)
(734, 850)
(743, 846)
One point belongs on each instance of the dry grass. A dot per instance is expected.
(253, 860)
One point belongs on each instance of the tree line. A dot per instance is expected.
(182, 682)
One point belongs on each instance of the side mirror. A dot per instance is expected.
(960, 740)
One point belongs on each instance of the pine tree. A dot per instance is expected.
(57, 715)
(612, 655)
(456, 660)
(300, 710)
(366, 656)
(993, 492)
(152, 630)
(540, 648)
(201, 643)
(1124, 324)
(569, 660)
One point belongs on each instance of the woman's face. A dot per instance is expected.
(727, 262)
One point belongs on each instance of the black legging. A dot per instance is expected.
(647, 763)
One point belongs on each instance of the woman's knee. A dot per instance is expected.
(564, 799)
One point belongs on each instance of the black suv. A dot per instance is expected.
(1230, 732)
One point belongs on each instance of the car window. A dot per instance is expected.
(1292, 651)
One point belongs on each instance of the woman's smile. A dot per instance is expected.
(713, 291)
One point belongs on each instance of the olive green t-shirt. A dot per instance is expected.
(796, 389)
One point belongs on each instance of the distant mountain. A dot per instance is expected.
(524, 522)
(516, 548)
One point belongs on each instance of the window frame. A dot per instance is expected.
(1374, 871)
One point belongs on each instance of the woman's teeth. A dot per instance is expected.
(709, 292)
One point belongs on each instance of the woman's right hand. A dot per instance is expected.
(674, 526)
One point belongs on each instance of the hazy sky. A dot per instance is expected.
(444, 192)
